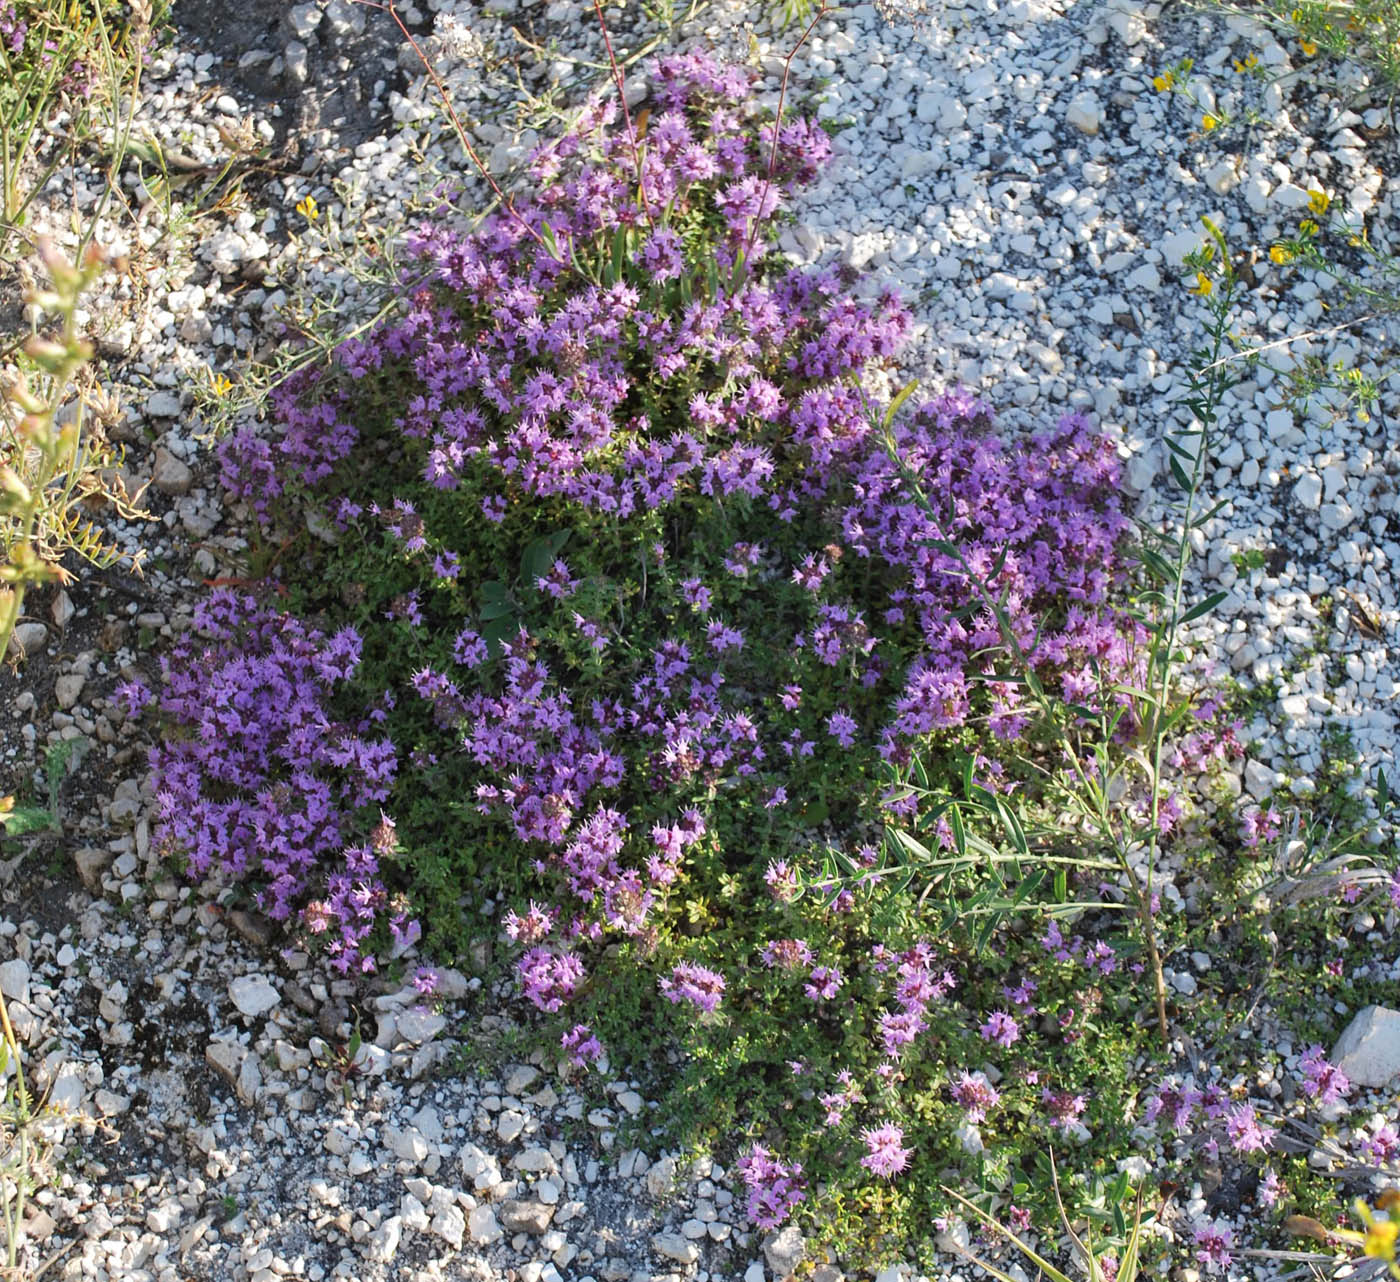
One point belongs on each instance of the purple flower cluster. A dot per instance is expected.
(1180, 1105)
(976, 1095)
(260, 779)
(698, 985)
(885, 1153)
(774, 1186)
(1322, 1081)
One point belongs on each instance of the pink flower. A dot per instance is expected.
(885, 1154)
(1000, 1028)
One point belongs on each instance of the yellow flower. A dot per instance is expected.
(1247, 64)
(1318, 202)
(1163, 82)
(308, 209)
(1209, 122)
(1309, 47)
(1281, 254)
(1203, 284)
(221, 383)
(1380, 1239)
(1308, 227)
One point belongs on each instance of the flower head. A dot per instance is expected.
(885, 1154)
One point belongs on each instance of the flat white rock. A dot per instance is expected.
(1369, 1051)
(254, 995)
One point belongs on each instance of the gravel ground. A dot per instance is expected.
(1011, 167)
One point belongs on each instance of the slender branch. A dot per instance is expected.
(626, 113)
(387, 6)
(778, 123)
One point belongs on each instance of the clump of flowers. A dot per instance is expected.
(262, 780)
(649, 607)
(774, 1186)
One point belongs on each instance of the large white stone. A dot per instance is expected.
(1085, 114)
(483, 1226)
(254, 995)
(1369, 1051)
(14, 980)
(785, 1250)
(674, 1247)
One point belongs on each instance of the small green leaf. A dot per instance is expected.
(1204, 607)
(900, 397)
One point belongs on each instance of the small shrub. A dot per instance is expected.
(651, 624)
(48, 469)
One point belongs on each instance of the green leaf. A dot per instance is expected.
(914, 847)
(497, 633)
(1203, 607)
(25, 819)
(1179, 474)
(550, 243)
(496, 610)
(899, 398)
(537, 559)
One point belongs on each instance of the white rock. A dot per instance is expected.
(163, 405)
(1085, 114)
(225, 1058)
(68, 689)
(535, 1161)
(254, 995)
(661, 1178)
(1308, 490)
(1369, 1051)
(383, 1244)
(14, 980)
(62, 609)
(170, 475)
(302, 20)
(1128, 24)
(1222, 177)
(408, 1145)
(755, 1273)
(450, 1224)
(630, 1101)
(1291, 196)
(483, 1226)
(419, 1026)
(477, 1165)
(674, 1247)
(785, 1250)
(1337, 516)
(1178, 244)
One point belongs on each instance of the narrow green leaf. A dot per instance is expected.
(1203, 607)
(899, 398)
